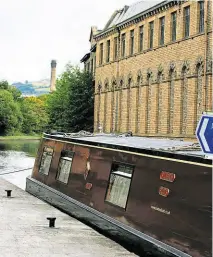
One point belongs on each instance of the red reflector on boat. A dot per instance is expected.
(167, 176)
(163, 191)
(88, 186)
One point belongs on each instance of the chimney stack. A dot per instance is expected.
(53, 76)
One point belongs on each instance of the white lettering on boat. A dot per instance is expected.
(160, 210)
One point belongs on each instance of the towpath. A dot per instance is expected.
(25, 232)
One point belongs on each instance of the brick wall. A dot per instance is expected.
(163, 91)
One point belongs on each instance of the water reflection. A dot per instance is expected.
(15, 156)
(27, 146)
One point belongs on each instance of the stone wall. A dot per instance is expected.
(160, 91)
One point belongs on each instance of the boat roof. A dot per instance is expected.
(178, 148)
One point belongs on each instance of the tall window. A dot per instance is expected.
(174, 25)
(201, 16)
(92, 66)
(46, 160)
(162, 30)
(94, 63)
(141, 28)
(186, 21)
(123, 44)
(119, 184)
(151, 34)
(64, 166)
(115, 48)
(101, 52)
(131, 42)
(108, 51)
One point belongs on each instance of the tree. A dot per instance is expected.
(4, 85)
(70, 107)
(57, 102)
(10, 115)
(35, 118)
(80, 113)
(15, 92)
(18, 114)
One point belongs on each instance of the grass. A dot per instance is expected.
(22, 137)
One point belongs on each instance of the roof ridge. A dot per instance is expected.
(129, 12)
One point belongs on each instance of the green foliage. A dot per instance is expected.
(35, 117)
(15, 92)
(43, 98)
(81, 103)
(57, 102)
(4, 85)
(70, 107)
(10, 114)
(21, 115)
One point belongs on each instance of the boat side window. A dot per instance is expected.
(64, 166)
(46, 160)
(119, 184)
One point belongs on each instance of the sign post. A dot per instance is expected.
(204, 133)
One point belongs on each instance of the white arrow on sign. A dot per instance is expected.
(202, 131)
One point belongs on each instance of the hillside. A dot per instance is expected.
(35, 88)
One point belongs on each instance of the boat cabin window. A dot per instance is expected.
(46, 160)
(64, 166)
(119, 184)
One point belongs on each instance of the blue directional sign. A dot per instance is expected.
(204, 133)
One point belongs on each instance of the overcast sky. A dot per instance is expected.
(32, 32)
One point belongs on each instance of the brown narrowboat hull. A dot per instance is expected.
(174, 224)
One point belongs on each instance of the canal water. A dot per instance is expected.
(16, 156)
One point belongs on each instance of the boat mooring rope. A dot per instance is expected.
(15, 171)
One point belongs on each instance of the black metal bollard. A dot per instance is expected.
(51, 222)
(8, 193)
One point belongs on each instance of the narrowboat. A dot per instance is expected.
(153, 194)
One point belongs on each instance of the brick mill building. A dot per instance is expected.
(153, 68)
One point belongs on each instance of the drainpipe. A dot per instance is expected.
(205, 51)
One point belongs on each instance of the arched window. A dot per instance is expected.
(129, 85)
(118, 105)
(138, 101)
(149, 76)
(106, 89)
(120, 102)
(159, 76)
(159, 96)
(148, 99)
(198, 90)
(99, 87)
(171, 99)
(113, 87)
(106, 85)
(184, 97)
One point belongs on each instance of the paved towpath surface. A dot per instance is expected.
(24, 230)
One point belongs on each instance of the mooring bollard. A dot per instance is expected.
(8, 193)
(51, 222)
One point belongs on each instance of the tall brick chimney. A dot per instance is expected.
(53, 76)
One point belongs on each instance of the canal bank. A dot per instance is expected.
(25, 137)
(25, 230)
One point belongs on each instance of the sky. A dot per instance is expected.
(33, 32)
